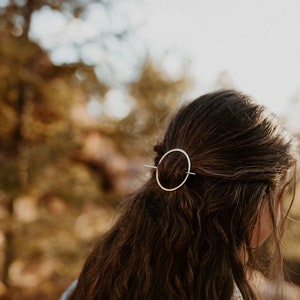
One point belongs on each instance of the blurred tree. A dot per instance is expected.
(157, 97)
(35, 120)
(45, 129)
(36, 127)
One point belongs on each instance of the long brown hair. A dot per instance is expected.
(188, 243)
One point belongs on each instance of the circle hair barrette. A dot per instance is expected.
(187, 173)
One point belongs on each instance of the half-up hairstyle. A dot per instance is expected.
(196, 242)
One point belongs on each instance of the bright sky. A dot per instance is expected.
(257, 42)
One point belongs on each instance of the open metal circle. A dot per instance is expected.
(187, 173)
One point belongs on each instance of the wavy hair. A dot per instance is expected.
(196, 242)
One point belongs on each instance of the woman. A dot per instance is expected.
(215, 195)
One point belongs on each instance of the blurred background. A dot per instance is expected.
(86, 88)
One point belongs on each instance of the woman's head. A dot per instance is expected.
(192, 243)
(240, 153)
(242, 158)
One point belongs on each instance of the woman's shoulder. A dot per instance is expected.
(65, 296)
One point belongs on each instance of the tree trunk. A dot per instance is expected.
(8, 234)
(19, 153)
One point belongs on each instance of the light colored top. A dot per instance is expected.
(236, 292)
(69, 291)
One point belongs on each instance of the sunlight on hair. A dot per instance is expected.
(292, 219)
